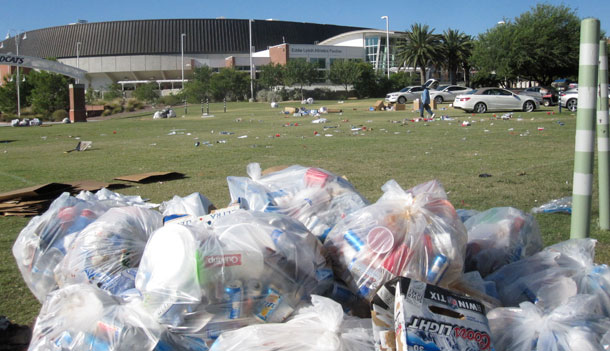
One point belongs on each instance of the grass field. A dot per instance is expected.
(528, 167)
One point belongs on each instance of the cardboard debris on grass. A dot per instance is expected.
(150, 177)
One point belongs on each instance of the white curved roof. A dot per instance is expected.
(348, 37)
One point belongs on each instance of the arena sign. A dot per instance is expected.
(42, 64)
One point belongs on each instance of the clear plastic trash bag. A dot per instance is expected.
(320, 327)
(194, 204)
(107, 253)
(414, 233)
(43, 243)
(315, 197)
(499, 236)
(575, 325)
(250, 267)
(82, 317)
(563, 205)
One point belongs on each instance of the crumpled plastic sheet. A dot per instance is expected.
(320, 327)
(499, 236)
(194, 204)
(563, 205)
(575, 325)
(315, 197)
(250, 267)
(107, 252)
(414, 233)
(82, 317)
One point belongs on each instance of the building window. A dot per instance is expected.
(320, 63)
(371, 47)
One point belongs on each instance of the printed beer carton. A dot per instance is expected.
(428, 318)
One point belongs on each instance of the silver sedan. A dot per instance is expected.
(448, 93)
(494, 99)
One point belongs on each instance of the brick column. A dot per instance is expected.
(77, 103)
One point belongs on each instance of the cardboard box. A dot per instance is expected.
(382, 317)
(416, 104)
(400, 107)
(378, 105)
(433, 105)
(427, 317)
(290, 110)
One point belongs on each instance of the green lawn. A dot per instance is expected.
(527, 167)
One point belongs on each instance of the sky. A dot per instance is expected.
(469, 16)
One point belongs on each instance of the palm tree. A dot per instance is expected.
(456, 48)
(420, 48)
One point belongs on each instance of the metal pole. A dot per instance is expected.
(387, 38)
(585, 124)
(77, 57)
(225, 103)
(182, 66)
(207, 106)
(251, 71)
(603, 156)
(18, 79)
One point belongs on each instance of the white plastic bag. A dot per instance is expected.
(320, 327)
(499, 236)
(107, 253)
(576, 325)
(82, 317)
(315, 197)
(194, 204)
(414, 233)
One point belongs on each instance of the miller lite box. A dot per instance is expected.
(382, 316)
(427, 317)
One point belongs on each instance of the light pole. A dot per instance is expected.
(387, 42)
(18, 38)
(182, 65)
(251, 68)
(77, 57)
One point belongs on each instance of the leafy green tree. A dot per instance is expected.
(8, 94)
(301, 73)
(50, 92)
(271, 76)
(419, 49)
(113, 91)
(455, 49)
(366, 84)
(229, 83)
(539, 45)
(198, 88)
(147, 92)
(400, 80)
(344, 72)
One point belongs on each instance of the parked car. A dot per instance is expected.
(546, 96)
(410, 93)
(494, 99)
(447, 93)
(569, 99)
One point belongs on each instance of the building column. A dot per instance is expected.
(77, 103)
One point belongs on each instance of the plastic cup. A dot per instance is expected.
(380, 239)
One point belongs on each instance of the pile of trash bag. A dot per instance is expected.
(300, 260)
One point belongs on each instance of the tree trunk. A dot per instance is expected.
(422, 70)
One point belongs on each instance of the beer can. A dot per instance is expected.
(234, 293)
(437, 269)
(254, 290)
(269, 304)
(353, 240)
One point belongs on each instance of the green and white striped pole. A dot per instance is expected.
(585, 128)
(603, 157)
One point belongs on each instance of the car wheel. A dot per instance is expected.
(480, 107)
(529, 106)
(402, 100)
(572, 104)
(547, 102)
(438, 99)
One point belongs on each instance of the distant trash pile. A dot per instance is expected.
(26, 122)
(164, 113)
(299, 260)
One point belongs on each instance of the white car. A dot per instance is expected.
(569, 99)
(447, 93)
(405, 94)
(494, 99)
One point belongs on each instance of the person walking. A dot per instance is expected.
(425, 102)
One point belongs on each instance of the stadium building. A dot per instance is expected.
(142, 51)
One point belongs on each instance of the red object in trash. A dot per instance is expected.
(277, 135)
(315, 177)
(315, 132)
(397, 260)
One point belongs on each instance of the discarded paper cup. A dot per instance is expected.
(380, 239)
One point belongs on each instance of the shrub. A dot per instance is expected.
(170, 100)
(106, 112)
(133, 104)
(59, 115)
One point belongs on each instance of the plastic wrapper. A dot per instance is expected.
(563, 205)
(576, 325)
(43, 243)
(107, 252)
(249, 267)
(465, 214)
(315, 197)
(414, 233)
(82, 317)
(320, 327)
(500, 236)
(194, 205)
(111, 199)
